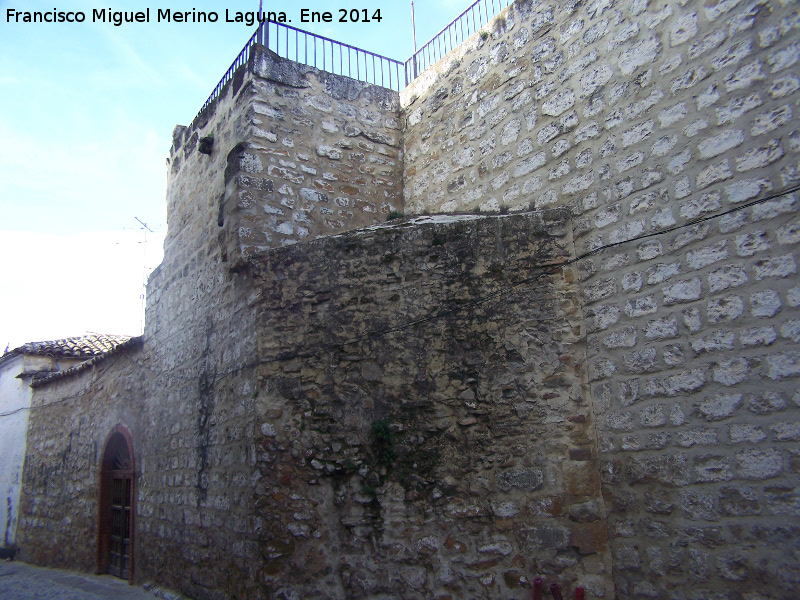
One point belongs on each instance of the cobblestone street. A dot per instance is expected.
(20, 581)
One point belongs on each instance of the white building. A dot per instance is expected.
(17, 369)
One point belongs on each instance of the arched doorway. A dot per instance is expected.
(115, 510)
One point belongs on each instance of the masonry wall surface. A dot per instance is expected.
(297, 153)
(60, 481)
(656, 124)
(188, 394)
(443, 407)
(452, 457)
(426, 433)
(313, 154)
(325, 155)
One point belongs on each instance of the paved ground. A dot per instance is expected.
(19, 581)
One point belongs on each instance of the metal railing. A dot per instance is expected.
(343, 59)
(242, 59)
(462, 27)
(319, 52)
(332, 56)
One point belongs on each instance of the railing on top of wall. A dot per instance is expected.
(459, 29)
(343, 59)
(240, 60)
(319, 52)
(332, 56)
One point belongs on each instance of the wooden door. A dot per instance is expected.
(117, 499)
(119, 544)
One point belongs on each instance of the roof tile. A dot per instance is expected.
(86, 346)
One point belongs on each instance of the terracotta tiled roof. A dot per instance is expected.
(128, 343)
(86, 346)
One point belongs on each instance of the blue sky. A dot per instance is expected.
(86, 118)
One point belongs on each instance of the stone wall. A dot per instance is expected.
(297, 153)
(278, 137)
(425, 430)
(603, 393)
(554, 104)
(361, 449)
(651, 122)
(68, 425)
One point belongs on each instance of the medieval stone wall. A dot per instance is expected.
(324, 155)
(451, 457)
(297, 153)
(188, 396)
(426, 432)
(643, 119)
(193, 435)
(60, 480)
(436, 408)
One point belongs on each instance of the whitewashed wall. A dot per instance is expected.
(14, 395)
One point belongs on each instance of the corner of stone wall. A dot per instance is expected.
(322, 155)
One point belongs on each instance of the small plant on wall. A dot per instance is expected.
(383, 442)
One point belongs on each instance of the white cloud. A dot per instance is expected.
(58, 286)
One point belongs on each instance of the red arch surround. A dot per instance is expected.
(116, 500)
